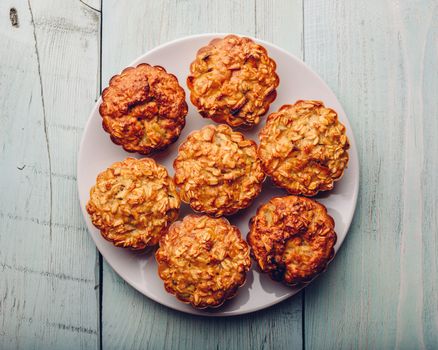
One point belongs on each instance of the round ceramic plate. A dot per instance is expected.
(97, 152)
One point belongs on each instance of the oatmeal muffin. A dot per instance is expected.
(143, 109)
(292, 239)
(233, 81)
(133, 202)
(217, 170)
(303, 147)
(203, 260)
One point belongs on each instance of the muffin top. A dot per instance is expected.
(143, 109)
(133, 202)
(303, 147)
(203, 260)
(233, 81)
(217, 170)
(292, 238)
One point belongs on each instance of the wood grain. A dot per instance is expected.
(47, 261)
(130, 320)
(381, 290)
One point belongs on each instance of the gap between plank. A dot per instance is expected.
(255, 19)
(303, 314)
(303, 297)
(100, 255)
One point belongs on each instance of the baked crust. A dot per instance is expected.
(203, 260)
(303, 147)
(133, 202)
(143, 109)
(217, 170)
(233, 81)
(292, 238)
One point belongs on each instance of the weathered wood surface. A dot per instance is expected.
(379, 57)
(48, 80)
(129, 319)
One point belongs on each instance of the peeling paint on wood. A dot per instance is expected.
(13, 16)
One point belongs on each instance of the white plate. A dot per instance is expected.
(97, 152)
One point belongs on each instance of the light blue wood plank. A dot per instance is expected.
(429, 186)
(49, 66)
(381, 291)
(130, 320)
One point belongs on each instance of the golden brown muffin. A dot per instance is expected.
(292, 239)
(133, 202)
(217, 170)
(303, 147)
(203, 260)
(143, 109)
(233, 81)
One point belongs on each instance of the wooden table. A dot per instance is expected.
(379, 56)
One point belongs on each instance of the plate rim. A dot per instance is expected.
(353, 147)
